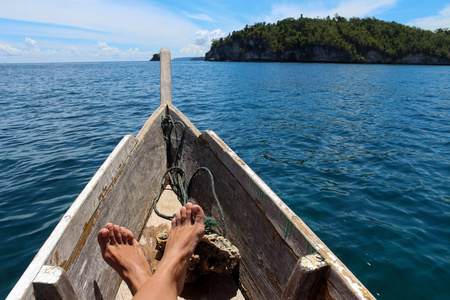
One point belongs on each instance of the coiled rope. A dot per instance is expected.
(177, 175)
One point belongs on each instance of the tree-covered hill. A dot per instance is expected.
(336, 40)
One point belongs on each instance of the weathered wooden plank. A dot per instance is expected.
(267, 261)
(308, 279)
(278, 213)
(279, 218)
(342, 285)
(127, 203)
(52, 283)
(302, 240)
(62, 241)
(270, 236)
(165, 77)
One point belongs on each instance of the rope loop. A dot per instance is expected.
(176, 175)
(213, 190)
(178, 186)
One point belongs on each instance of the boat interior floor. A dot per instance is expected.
(212, 286)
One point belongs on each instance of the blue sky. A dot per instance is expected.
(108, 30)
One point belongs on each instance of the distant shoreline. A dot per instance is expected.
(446, 64)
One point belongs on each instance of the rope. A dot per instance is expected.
(168, 125)
(177, 188)
(177, 175)
(209, 221)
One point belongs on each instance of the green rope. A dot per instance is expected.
(177, 175)
(168, 125)
(178, 189)
(213, 189)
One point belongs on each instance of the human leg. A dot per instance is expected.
(187, 230)
(123, 253)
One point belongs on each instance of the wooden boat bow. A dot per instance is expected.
(281, 255)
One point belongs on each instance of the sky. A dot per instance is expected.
(133, 30)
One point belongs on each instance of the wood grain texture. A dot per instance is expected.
(53, 283)
(60, 245)
(270, 237)
(276, 211)
(302, 240)
(251, 206)
(308, 279)
(267, 261)
(128, 203)
(165, 77)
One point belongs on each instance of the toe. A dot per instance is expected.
(198, 214)
(124, 234)
(117, 234)
(178, 218)
(130, 237)
(103, 239)
(183, 214)
(112, 239)
(189, 212)
(174, 222)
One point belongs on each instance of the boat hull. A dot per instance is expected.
(277, 247)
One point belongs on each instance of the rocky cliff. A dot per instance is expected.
(336, 39)
(256, 50)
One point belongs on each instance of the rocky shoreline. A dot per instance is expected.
(257, 51)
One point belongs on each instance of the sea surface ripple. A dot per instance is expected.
(360, 152)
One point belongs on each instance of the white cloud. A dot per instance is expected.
(202, 42)
(441, 20)
(192, 50)
(104, 49)
(96, 52)
(74, 51)
(201, 17)
(32, 46)
(74, 28)
(31, 49)
(7, 50)
(345, 8)
(31, 43)
(203, 37)
(133, 51)
(136, 22)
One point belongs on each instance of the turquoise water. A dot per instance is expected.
(360, 152)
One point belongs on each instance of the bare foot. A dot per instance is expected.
(123, 253)
(188, 228)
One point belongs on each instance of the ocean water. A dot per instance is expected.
(360, 152)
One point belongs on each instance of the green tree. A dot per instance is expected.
(355, 36)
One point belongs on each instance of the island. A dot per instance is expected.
(337, 40)
(155, 57)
